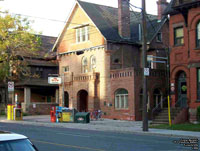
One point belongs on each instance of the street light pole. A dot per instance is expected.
(144, 49)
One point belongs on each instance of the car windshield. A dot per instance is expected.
(17, 145)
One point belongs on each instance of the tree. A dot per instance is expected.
(16, 40)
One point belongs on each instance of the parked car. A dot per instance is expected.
(15, 142)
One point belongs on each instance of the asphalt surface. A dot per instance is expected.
(68, 139)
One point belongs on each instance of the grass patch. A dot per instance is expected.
(183, 127)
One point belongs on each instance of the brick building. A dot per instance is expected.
(184, 31)
(99, 54)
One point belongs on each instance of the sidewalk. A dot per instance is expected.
(134, 127)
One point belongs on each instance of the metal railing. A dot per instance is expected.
(159, 107)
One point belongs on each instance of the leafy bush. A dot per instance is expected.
(198, 113)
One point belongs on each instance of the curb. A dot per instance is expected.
(58, 125)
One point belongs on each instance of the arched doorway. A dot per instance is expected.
(182, 90)
(66, 98)
(82, 104)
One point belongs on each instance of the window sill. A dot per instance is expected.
(76, 43)
(121, 109)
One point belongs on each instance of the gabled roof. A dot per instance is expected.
(44, 51)
(105, 19)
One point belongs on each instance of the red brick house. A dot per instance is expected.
(99, 54)
(184, 31)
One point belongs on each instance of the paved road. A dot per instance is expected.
(64, 139)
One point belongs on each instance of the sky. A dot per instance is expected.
(49, 15)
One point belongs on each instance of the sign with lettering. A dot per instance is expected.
(10, 86)
(54, 80)
(146, 71)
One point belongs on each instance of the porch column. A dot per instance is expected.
(161, 102)
(27, 99)
(57, 96)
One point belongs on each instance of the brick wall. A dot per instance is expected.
(40, 108)
(185, 57)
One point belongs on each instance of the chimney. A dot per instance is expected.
(162, 5)
(124, 19)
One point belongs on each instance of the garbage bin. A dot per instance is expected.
(82, 117)
(68, 115)
(18, 114)
(10, 112)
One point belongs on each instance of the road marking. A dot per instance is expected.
(69, 146)
(73, 135)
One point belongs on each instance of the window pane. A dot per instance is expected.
(122, 91)
(179, 32)
(126, 101)
(83, 34)
(117, 102)
(198, 84)
(122, 101)
(198, 35)
(178, 36)
(198, 31)
(78, 34)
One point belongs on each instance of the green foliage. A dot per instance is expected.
(198, 113)
(17, 39)
(183, 127)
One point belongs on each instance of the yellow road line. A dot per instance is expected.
(69, 146)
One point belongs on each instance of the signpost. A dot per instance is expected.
(10, 86)
(146, 71)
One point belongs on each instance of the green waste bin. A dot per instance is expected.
(82, 117)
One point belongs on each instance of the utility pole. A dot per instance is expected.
(144, 65)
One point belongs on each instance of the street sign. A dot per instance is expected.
(146, 71)
(54, 80)
(10, 86)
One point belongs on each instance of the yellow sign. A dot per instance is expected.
(66, 116)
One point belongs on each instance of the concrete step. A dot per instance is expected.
(161, 120)
(162, 117)
(158, 123)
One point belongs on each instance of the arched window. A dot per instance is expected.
(198, 34)
(92, 62)
(84, 65)
(121, 99)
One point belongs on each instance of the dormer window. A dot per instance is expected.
(82, 34)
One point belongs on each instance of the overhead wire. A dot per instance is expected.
(93, 31)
